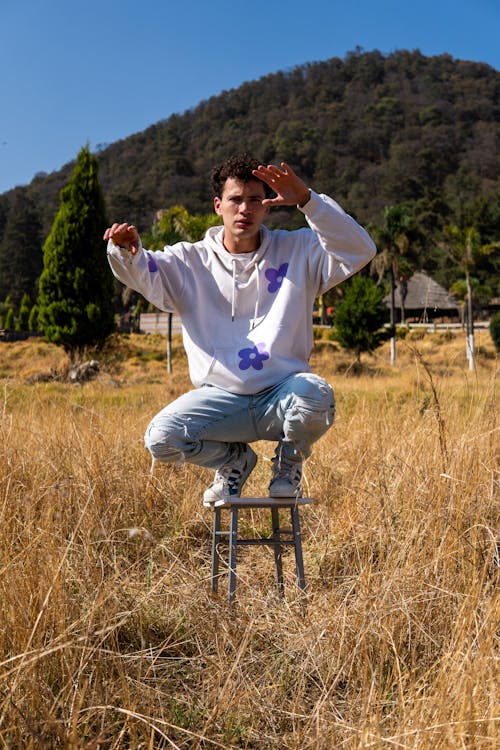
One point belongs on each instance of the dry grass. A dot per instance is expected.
(109, 636)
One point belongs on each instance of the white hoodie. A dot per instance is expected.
(247, 318)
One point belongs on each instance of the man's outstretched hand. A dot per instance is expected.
(123, 235)
(289, 188)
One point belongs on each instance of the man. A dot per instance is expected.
(245, 295)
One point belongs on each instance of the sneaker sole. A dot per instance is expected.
(284, 493)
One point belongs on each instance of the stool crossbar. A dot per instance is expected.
(279, 539)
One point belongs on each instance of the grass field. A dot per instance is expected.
(109, 636)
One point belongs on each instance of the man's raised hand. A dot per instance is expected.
(123, 235)
(289, 188)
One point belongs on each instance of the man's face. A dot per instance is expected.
(242, 213)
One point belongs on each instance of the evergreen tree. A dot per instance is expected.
(360, 316)
(76, 287)
(21, 250)
(24, 313)
(6, 310)
(33, 320)
(8, 322)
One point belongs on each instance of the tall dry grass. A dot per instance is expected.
(109, 636)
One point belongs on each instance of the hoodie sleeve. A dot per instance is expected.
(159, 276)
(348, 247)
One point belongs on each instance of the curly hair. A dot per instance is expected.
(240, 167)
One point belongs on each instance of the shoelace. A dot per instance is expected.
(286, 469)
(229, 475)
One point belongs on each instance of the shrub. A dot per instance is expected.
(360, 317)
(495, 329)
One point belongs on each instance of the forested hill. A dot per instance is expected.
(371, 130)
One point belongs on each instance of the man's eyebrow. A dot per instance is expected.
(240, 195)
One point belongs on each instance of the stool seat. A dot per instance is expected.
(280, 537)
(259, 502)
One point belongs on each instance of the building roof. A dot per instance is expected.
(424, 294)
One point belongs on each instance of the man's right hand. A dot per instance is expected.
(123, 235)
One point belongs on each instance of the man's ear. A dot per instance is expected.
(217, 202)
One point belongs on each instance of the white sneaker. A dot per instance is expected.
(229, 479)
(287, 475)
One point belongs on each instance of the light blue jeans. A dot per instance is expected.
(202, 426)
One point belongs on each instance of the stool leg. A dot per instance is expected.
(215, 551)
(297, 540)
(278, 550)
(233, 541)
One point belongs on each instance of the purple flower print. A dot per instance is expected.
(275, 277)
(152, 264)
(253, 357)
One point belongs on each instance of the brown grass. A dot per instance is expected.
(109, 637)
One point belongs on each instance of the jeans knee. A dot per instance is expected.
(166, 439)
(314, 395)
(311, 411)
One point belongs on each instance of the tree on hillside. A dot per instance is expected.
(360, 317)
(21, 250)
(76, 288)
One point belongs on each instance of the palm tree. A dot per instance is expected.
(393, 239)
(174, 225)
(464, 246)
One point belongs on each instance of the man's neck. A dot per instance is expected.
(235, 245)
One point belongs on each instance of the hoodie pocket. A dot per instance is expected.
(224, 366)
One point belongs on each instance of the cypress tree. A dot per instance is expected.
(21, 249)
(24, 314)
(8, 322)
(6, 312)
(76, 288)
(33, 319)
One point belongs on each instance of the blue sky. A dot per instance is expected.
(78, 71)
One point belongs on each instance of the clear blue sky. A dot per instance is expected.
(78, 71)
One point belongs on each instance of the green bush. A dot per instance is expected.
(495, 329)
(360, 317)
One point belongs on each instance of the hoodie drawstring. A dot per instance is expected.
(233, 298)
(258, 295)
(233, 295)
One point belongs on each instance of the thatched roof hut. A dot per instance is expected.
(425, 298)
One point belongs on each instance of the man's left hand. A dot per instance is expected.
(289, 188)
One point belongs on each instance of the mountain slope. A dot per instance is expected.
(370, 129)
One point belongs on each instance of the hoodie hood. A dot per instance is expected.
(214, 241)
(241, 266)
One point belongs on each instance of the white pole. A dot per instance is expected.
(470, 349)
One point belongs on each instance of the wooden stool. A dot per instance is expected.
(279, 538)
